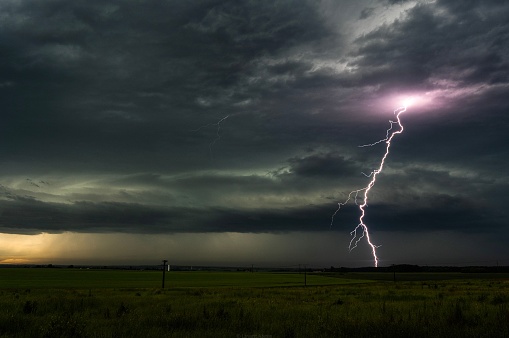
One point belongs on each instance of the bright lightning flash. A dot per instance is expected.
(361, 230)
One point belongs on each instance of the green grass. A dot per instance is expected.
(417, 276)
(84, 278)
(210, 304)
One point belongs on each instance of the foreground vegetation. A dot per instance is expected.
(353, 308)
(85, 278)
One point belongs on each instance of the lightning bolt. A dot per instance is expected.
(361, 230)
(218, 132)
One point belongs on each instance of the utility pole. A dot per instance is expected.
(305, 274)
(164, 269)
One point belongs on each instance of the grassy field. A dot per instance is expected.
(84, 278)
(76, 303)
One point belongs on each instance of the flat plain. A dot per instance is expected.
(117, 303)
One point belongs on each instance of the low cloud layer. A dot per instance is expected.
(172, 117)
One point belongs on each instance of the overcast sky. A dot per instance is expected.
(226, 132)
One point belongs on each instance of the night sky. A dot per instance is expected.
(226, 132)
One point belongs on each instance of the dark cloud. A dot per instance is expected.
(462, 45)
(395, 2)
(122, 69)
(366, 13)
(434, 213)
(216, 116)
(323, 165)
(27, 215)
(422, 214)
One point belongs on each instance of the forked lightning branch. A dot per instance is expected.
(360, 196)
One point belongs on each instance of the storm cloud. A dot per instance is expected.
(167, 117)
